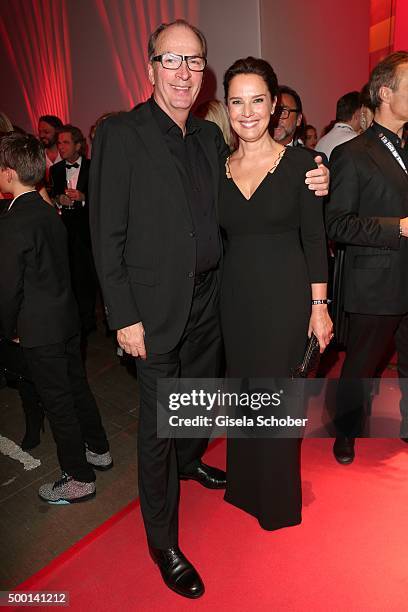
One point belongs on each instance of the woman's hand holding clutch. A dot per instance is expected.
(321, 325)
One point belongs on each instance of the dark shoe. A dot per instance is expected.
(343, 450)
(177, 572)
(208, 476)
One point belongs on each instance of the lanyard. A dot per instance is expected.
(393, 150)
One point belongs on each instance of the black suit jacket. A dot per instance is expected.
(77, 220)
(141, 225)
(369, 195)
(36, 303)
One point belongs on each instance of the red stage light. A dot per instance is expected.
(39, 51)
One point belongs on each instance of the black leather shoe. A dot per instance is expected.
(177, 572)
(208, 476)
(343, 450)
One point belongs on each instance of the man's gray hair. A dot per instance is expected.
(151, 46)
(385, 75)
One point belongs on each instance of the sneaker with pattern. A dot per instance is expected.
(102, 461)
(67, 490)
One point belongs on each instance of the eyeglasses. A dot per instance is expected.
(283, 112)
(173, 61)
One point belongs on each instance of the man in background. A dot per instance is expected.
(69, 186)
(368, 212)
(347, 126)
(47, 133)
(289, 118)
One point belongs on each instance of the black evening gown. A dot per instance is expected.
(275, 247)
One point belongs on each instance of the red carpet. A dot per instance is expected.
(349, 553)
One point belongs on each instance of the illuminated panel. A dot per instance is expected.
(382, 26)
(127, 25)
(401, 26)
(35, 36)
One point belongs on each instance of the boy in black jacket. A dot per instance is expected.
(37, 307)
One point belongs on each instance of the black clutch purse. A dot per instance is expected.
(310, 361)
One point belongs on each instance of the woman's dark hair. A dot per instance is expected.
(252, 65)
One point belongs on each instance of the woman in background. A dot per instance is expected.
(214, 110)
(310, 136)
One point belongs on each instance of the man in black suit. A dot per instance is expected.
(154, 188)
(368, 212)
(69, 187)
(38, 309)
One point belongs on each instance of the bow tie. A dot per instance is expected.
(74, 165)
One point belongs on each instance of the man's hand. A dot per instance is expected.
(318, 179)
(404, 227)
(131, 340)
(75, 195)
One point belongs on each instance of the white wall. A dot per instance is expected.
(232, 31)
(318, 47)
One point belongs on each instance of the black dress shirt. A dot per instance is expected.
(394, 139)
(195, 175)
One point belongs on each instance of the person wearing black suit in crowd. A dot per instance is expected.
(69, 187)
(38, 309)
(368, 212)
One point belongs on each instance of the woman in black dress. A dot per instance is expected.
(275, 264)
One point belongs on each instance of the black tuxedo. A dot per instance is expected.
(145, 250)
(369, 195)
(76, 221)
(37, 306)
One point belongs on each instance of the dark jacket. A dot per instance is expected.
(36, 301)
(142, 231)
(77, 220)
(369, 195)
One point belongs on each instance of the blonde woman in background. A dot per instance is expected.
(215, 111)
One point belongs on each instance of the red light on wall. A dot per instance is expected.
(127, 25)
(35, 36)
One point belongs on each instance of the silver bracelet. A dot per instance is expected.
(316, 302)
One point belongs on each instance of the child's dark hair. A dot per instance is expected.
(24, 154)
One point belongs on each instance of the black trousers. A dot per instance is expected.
(59, 376)
(197, 355)
(83, 274)
(370, 341)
